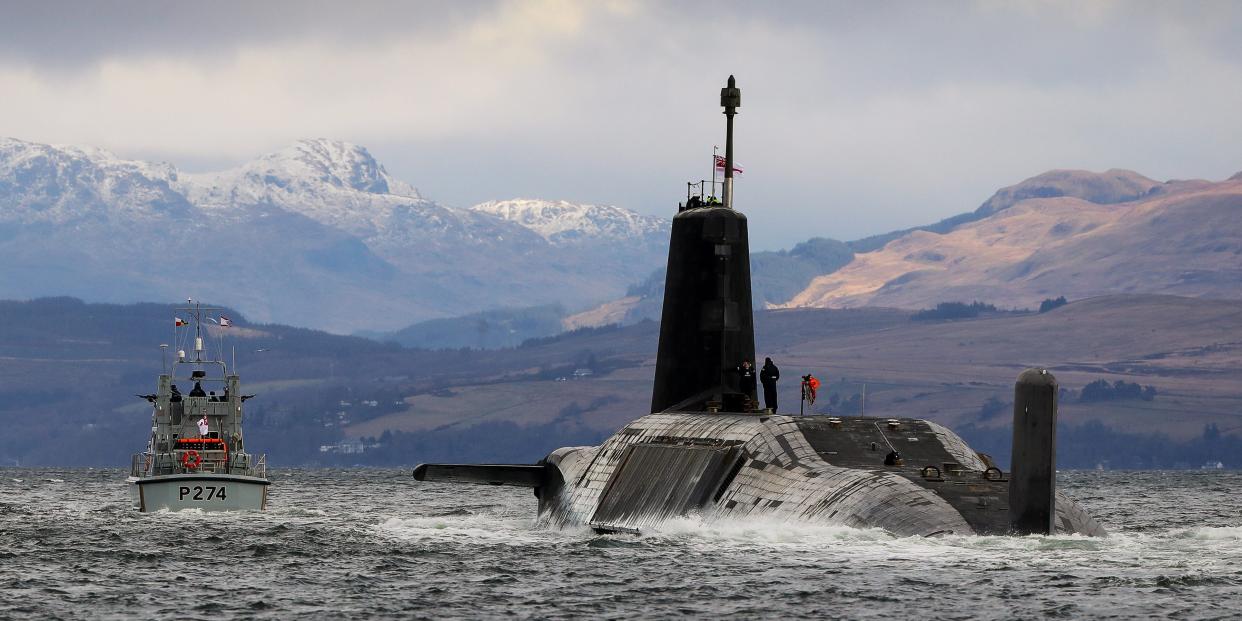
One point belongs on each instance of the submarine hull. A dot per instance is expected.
(707, 451)
(814, 469)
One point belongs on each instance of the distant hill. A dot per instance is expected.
(958, 372)
(490, 329)
(71, 369)
(1112, 186)
(317, 234)
(776, 276)
(1106, 188)
(1064, 233)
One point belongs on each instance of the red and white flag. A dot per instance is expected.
(720, 165)
(177, 321)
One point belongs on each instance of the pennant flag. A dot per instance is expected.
(178, 322)
(720, 165)
(225, 322)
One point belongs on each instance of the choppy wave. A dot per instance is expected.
(365, 543)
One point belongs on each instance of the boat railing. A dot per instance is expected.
(251, 465)
(150, 464)
(701, 194)
(139, 464)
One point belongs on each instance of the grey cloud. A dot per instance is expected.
(67, 35)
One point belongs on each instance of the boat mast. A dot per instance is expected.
(198, 332)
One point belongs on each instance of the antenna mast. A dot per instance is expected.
(731, 100)
(198, 332)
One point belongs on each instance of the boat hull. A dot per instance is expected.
(206, 492)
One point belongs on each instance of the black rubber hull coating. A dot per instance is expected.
(707, 326)
(1033, 476)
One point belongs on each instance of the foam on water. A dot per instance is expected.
(695, 530)
(1210, 533)
(370, 543)
(480, 527)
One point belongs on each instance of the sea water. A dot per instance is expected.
(372, 543)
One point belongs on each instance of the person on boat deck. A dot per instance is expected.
(746, 374)
(198, 391)
(768, 376)
(211, 396)
(176, 394)
(203, 428)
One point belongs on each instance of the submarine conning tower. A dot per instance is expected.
(707, 325)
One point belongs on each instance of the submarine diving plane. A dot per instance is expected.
(707, 451)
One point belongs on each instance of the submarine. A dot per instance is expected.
(706, 451)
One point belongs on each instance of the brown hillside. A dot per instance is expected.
(1184, 239)
(1111, 186)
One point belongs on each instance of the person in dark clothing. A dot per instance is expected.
(746, 375)
(198, 391)
(176, 394)
(768, 376)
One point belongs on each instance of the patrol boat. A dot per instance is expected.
(196, 457)
(707, 451)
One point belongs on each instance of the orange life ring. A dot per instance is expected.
(191, 456)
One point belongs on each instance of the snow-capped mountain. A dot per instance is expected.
(334, 183)
(562, 222)
(59, 185)
(342, 186)
(318, 233)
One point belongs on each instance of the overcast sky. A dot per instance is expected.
(857, 117)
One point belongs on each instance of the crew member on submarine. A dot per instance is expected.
(768, 376)
(746, 378)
